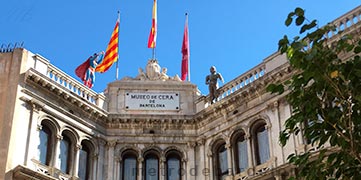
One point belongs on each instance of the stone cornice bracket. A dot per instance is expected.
(35, 104)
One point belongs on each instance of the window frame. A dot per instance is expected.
(151, 154)
(239, 137)
(260, 127)
(219, 175)
(128, 154)
(177, 155)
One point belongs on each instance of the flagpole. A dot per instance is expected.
(189, 59)
(117, 69)
(153, 53)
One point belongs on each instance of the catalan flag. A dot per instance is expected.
(153, 32)
(111, 54)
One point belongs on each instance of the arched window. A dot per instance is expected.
(240, 152)
(173, 166)
(221, 161)
(84, 169)
(45, 144)
(129, 166)
(151, 166)
(261, 144)
(65, 154)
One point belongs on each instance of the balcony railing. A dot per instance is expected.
(43, 66)
(346, 23)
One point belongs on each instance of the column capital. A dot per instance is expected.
(95, 156)
(39, 127)
(228, 146)
(59, 137)
(111, 143)
(192, 144)
(162, 159)
(78, 146)
(118, 158)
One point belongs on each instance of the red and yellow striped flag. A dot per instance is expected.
(111, 54)
(153, 32)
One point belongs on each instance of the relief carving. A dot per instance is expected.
(153, 72)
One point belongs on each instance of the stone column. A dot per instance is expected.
(191, 160)
(94, 169)
(110, 148)
(140, 167)
(198, 173)
(101, 159)
(76, 160)
(33, 136)
(117, 160)
(162, 170)
(56, 161)
(183, 169)
(210, 169)
(249, 154)
(229, 159)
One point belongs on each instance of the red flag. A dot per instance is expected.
(111, 54)
(185, 52)
(81, 70)
(153, 32)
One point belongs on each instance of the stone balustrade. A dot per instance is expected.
(347, 23)
(242, 81)
(43, 66)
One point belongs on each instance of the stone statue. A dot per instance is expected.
(153, 69)
(212, 82)
(153, 72)
(141, 75)
(163, 74)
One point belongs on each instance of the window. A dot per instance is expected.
(44, 147)
(261, 144)
(240, 152)
(84, 161)
(173, 166)
(221, 162)
(151, 166)
(64, 156)
(129, 166)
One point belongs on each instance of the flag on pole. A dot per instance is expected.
(111, 54)
(185, 52)
(153, 32)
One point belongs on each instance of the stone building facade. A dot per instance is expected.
(152, 126)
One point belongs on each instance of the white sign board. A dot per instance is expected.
(151, 101)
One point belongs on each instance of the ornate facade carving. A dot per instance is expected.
(153, 72)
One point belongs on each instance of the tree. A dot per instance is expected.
(325, 95)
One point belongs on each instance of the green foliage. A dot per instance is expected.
(325, 95)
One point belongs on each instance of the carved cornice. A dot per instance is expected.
(41, 81)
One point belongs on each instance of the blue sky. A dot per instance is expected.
(233, 35)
